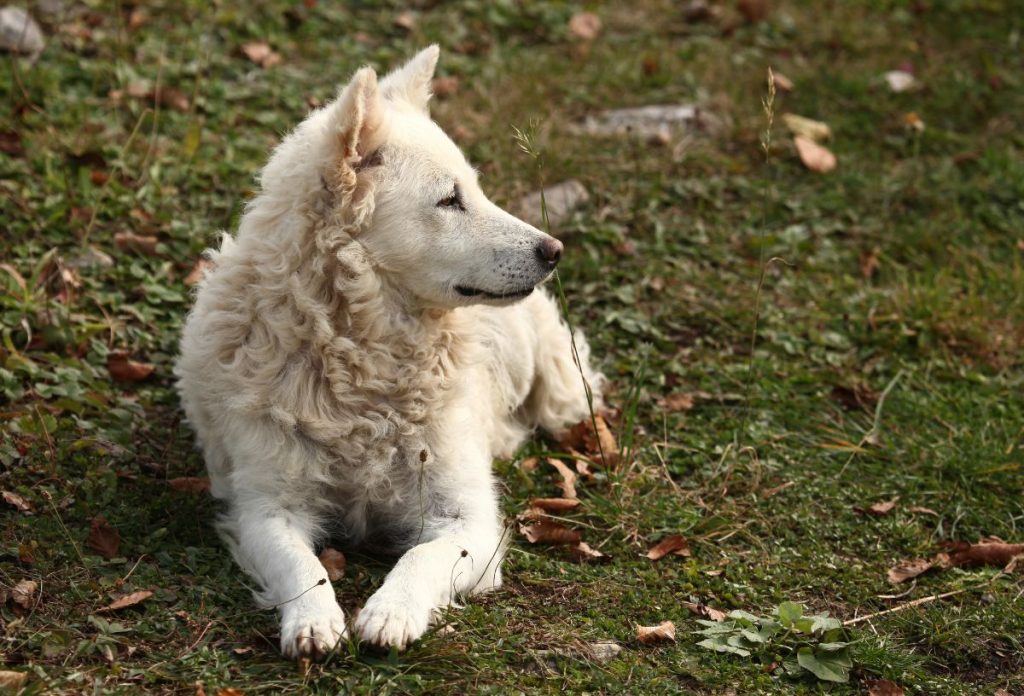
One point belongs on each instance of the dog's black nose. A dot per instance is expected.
(549, 252)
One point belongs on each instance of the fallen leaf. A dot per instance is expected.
(103, 539)
(137, 18)
(548, 532)
(260, 53)
(333, 562)
(11, 682)
(584, 552)
(781, 82)
(1002, 692)
(870, 263)
(879, 509)
(854, 398)
(123, 369)
(754, 11)
(581, 437)
(883, 687)
(230, 691)
(665, 631)
(554, 504)
(899, 80)
(706, 611)
(171, 97)
(17, 501)
(807, 127)
(908, 569)
(777, 489)
(676, 545)
(568, 482)
(985, 553)
(922, 510)
(585, 25)
(913, 121)
(141, 243)
(677, 402)
(528, 465)
(815, 157)
(128, 600)
(190, 484)
(197, 272)
(406, 20)
(24, 593)
(445, 86)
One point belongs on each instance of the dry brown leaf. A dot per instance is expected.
(678, 401)
(103, 539)
(581, 438)
(230, 691)
(24, 593)
(197, 272)
(260, 53)
(528, 465)
(585, 25)
(128, 600)
(870, 263)
(815, 157)
(985, 553)
(908, 569)
(141, 243)
(754, 11)
(445, 86)
(883, 687)
(922, 510)
(17, 501)
(554, 504)
(406, 20)
(171, 97)
(774, 490)
(781, 82)
(584, 553)
(11, 682)
(123, 369)
(706, 611)
(190, 484)
(608, 444)
(675, 544)
(548, 532)
(1002, 692)
(568, 482)
(807, 127)
(333, 562)
(912, 121)
(665, 631)
(879, 509)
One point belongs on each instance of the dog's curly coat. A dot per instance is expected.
(357, 357)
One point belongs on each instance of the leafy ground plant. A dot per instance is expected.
(787, 640)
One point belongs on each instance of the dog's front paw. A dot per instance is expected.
(389, 620)
(312, 630)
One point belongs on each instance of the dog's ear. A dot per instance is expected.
(411, 82)
(357, 116)
(354, 129)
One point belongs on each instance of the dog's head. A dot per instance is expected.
(414, 200)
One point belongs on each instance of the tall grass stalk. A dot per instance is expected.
(526, 140)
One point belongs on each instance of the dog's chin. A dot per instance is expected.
(467, 294)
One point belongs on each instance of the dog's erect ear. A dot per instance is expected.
(357, 116)
(411, 82)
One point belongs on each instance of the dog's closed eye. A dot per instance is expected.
(453, 201)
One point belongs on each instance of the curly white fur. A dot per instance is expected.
(357, 357)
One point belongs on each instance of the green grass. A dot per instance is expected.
(941, 210)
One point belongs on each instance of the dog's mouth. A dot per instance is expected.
(466, 291)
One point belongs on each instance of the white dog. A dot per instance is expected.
(365, 345)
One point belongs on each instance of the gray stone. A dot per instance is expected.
(20, 33)
(657, 123)
(562, 201)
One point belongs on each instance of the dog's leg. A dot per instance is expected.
(462, 556)
(276, 546)
(558, 398)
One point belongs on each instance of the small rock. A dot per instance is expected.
(562, 200)
(20, 33)
(605, 650)
(92, 258)
(50, 9)
(899, 80)
(651, 123)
